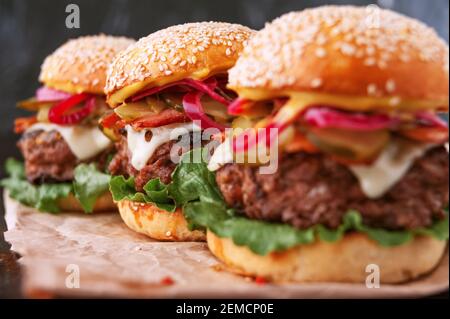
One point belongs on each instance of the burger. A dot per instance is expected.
(166, 91)
(352, 110)
(65, 153)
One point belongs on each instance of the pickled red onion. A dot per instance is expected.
(57, 113)
(206, 87)
(324, 117)
(47, 94)
(194, 110)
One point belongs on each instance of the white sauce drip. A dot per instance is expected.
(375, 180)
(84, 142)
(142, 150)
(223, 154)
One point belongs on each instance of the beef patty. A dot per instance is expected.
(158, 166)
(311, 189)
(48, 158)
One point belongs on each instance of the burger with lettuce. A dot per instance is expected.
(362, 174)
(65, 153)
(167, 91)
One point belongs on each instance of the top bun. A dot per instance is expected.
(346, 50)
(194, 50)
(80, 64)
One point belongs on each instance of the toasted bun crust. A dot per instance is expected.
(104, 203)
(80, 64)
(343, 261)
(346, 50)
(156, 223)
(195, 50)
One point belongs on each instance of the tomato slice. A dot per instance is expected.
(109, 120)
(168, 116)
(427, 134)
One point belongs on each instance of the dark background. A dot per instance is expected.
(31, 29)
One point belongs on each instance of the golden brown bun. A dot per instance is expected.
(195, 50)
(346, 50)
(343, 261)
(80, 64)
(156, 223)
(104, 203)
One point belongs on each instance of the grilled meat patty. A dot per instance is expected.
(49, 159)
(311, 189)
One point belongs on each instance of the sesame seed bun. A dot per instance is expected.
(343, 261)
(79, 65)
(192, 50)
(345, 51)
(156, 223)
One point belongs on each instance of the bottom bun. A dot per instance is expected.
(104, 203)
(343, 261)
(156, 223)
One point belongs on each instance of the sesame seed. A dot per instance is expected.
(228, 51)
(168, 233)
(168, 72)
(268, 58)
(321, 53)
(94, 53)
(348, 49)
(176, 60)
(372, 89)
(316, 83)
(390, 86)
(190, 41)
(395, 101)
(370, 62)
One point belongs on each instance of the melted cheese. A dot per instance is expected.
(142, 150)
(222, 155)
(349, 103)
(389, 168)
(375, 180)
(122, 94)
(84, 142)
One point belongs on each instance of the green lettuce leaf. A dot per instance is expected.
(155, 192)
(194, 188)
(89, 184)
(192, 181)
(44, 197)
(264, 237)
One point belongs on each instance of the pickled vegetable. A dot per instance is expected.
(133, 111)
(42, 114)
(348, 144)
(32, 104)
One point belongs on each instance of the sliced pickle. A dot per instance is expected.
(132, 111)
(215, 109)
(42, 114)
(242, 122)
(110, 133)
(349, 144)
(32, 104)
(156, 105)
(173, 100)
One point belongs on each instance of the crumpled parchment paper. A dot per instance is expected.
(114, 261)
